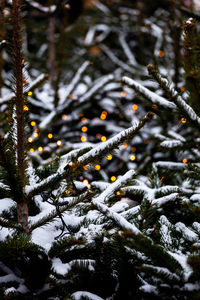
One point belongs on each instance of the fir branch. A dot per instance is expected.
(74, 81)
(173, 95)
(54, 213)
(159, 272)
(115, 186)
(10, 224)
(141, 242)
(116, 60)
(149, 95)
(114, 142)
(2, 44)
(35, 83)
(122, 222)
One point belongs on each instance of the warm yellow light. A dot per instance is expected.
(182, 88)
(118, 193)
(36, 134)
(22, 61)
(103, 138)
(31, 150)
(154, 106)
(59, 143)
(85, 181)
(84, 129)
(161, 53)
(113, 178)
(30, 93)
(125, 145)
(184, 160)
(83, 138)
(70, 95)
(109, 157)
(83, 120)
(71, 164)
(64, 117)
(26, 108)
(85, 167)
(132, 157)
(40, 149)
(33, 123)
(103, 116)
(67, 191)
(123, 93)
(183, 120)
(50, 135)
(134, 107)
(97, 167)
(30, 139)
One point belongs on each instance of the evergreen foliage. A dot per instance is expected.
(99, 165)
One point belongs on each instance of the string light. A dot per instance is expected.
(183, 120)
(134, 107)
(50, 135)
(118, 193)
(70, 95)
(97, 167)
(40, 149)
(83, 120)
(31, 150)
(86, 167)
(83, 138)
(71, 164)
(103, 115)
(30, 93)
(109, 157)
(132, 157)
(103, 138)
(59, 143)
(154, 106)
(161, 53)
(36, 134)
(30, 139)
(113, 178)
(98, 135)
(64, 117)
(123, 93)
(85, 181)
(26, 108)
(84, 129)
(67, 191)
(133, 149)
(33, 123)
(125, 145)
(22, 62)
(184, 160)
(182, 88)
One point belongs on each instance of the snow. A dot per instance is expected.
(163, 200)
(115, 186)
(116, 217)
(80, 294)
(73, 83)
(187, 233)
(153, 97)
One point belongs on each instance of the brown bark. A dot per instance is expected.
(22, 207)
(2, 35)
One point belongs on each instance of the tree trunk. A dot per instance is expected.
(22, 207)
